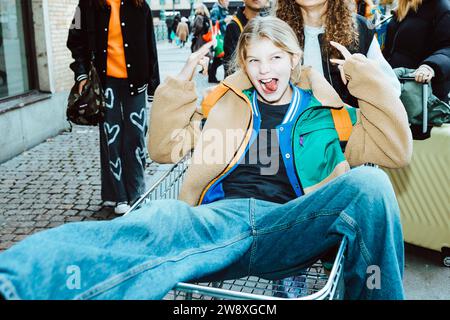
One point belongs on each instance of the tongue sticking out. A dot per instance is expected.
(270, 86)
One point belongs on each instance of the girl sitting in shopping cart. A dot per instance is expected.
(269, 187)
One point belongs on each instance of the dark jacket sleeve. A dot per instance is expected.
(439, 60)
(230, 43)
(154, 78)
(77, 42)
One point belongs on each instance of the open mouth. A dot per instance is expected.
(269, 85)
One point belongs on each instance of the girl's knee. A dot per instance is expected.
(372, 181)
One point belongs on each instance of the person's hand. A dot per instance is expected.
(346, 54)
(228, 19)
(424, 73)
(81, 85)
(196, 58)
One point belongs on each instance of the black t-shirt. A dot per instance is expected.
(261, 174)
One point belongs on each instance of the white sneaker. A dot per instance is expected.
(109, 203)
(121, 208)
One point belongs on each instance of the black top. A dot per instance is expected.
(138, 35)
(231, 38)
(423, 37)
(261, 174)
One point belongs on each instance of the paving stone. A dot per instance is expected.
(74, 219)
(65, 206)
(41, 224)
(71, 212)
(20, 237)
(6, 237)
(24, 231)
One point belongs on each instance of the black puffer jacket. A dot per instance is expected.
(231, 38)
(138, 38)
(423, 37)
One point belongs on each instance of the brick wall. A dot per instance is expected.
(60, 14)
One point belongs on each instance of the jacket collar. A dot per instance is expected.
(309, 80)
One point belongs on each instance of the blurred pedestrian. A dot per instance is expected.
(182, 31)
(169, 24)
(219, 14)
(127, 63)
(366, 9)
(176, 21)
(251, 9)
(200, 26)
(418, 37)
(317, 23)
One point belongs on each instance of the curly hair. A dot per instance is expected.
(338, 23)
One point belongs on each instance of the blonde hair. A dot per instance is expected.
(405, 5)
(202, 9)
(273, 29)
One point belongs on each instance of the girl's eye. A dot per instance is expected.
(276, 57)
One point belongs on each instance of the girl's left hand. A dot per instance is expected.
(340, 62)
(196, 58)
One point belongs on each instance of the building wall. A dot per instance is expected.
(60, 14)
(29, 124)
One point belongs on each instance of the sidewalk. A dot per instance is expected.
(59, 181)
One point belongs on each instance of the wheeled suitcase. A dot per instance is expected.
(423, 193)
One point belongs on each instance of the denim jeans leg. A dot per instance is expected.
(133, 146)
(139, 256)
(113, 142)
(359, 205)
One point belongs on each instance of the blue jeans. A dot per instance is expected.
(144, 254)
(122, 143)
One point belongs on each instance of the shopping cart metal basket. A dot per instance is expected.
(313, 283)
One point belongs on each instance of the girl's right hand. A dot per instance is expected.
(196, 58)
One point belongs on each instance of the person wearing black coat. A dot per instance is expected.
(252, 9)
(119, 35)
(420, 39)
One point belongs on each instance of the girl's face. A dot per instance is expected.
(269, 69)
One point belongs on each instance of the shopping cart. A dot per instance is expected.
(313, 283)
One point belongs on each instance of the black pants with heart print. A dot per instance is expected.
(122, 143)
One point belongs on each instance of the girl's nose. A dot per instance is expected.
(264, 68)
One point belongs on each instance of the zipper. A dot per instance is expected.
(230, 165)
(328, 68)
(301, 140)
(327, 58)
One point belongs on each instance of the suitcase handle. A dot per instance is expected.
(424, 100)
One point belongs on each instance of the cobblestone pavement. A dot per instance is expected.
(58, 181)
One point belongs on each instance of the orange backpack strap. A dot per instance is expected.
(211, 99)
(238, 22)
(342, 123)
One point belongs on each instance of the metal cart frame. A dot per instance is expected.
(313, 283)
